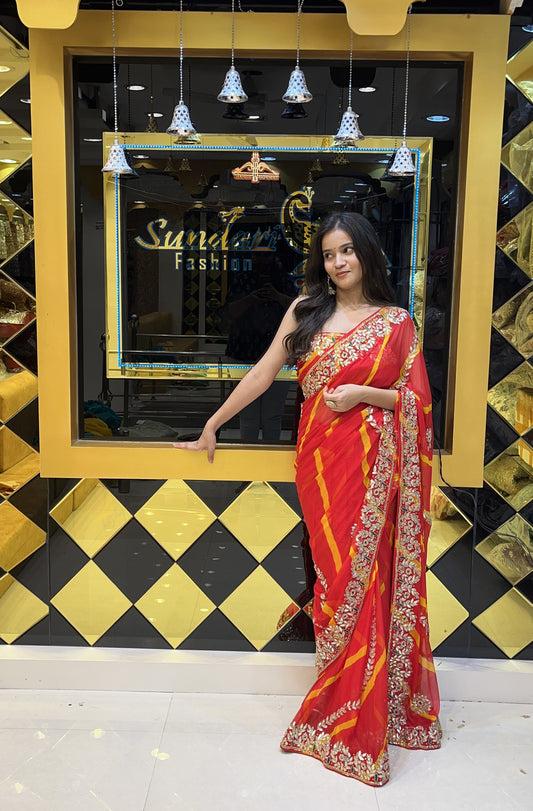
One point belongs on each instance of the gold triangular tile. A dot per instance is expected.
(256, 606)
(520, 70)
(515, 239)
(18, 462)
(175, 605)
(91, 515)
(446, 613)
(511, 474)
(17, 389)
(259, 518)
(175, 516)
(517, 155)
(513, 320)
(91, 602)
(19, 537)
(510, 549)
(512, 398)
(508, 622)
(447, 527)
(20, 609)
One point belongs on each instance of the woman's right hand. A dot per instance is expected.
(206, 442)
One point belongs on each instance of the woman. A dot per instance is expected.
(363, 474)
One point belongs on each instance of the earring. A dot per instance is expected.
(331, 288)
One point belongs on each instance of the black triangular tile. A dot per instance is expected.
(287, 490)
(481, 647)
(58, 489)
(217, 495)
(21, 269)
(512, 197)
(63, 633)
(503, 358)
(289, 564)
(25, 424)
(133, 560)
(66, 558)
(32, 500)
(297, 636)
(217, 563)
(517, 112)
(499, 435)
(457, 644)
(133, 493)
(216, 633)
(132, 630)
(19, 187)
(509, 279)
(20, 113)
(38, 635)
(23, 347)
(33, 573)
(454, 569)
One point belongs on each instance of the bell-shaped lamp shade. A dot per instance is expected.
(181, 125)
(402, 165)
(116, 163)
(297, 92)
(232, 92)
(294, 111)
(349, 132)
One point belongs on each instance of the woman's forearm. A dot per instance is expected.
(252, 386)
(383, 398)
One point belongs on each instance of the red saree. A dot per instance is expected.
(363, 479)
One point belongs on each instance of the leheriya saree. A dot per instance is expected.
(363, 479)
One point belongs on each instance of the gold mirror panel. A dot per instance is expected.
(91, 602)
(515, 321)
(14, 61)
(19, 537)
(176, 517)
(91, 515)
(18, 387)
(20, 609)
(18, 462)
(172, 589)
(517, 156)
(259, 518)
(448, 524)
(515, 239)
(520, 70)
(510, 549)
(512, 398)
(445, 612)
(508, 623)
(256, 607)
(17, 307)
(511, 474)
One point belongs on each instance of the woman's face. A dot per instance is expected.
(341, 262)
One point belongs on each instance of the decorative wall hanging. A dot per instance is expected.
(297, 92)
(181, 125)
(232, 92)
(349, 132)
(116, 163)
(402, 165)
(255, 170)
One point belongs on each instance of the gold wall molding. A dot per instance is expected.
(385, 18)
(479, 40)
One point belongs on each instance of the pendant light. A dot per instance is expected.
(297, 92)
(349, 132)
(402, 164)
(181, 125)
(116, 163)
(232, 92)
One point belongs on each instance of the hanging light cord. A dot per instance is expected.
(407, 71)
(350, 74)
(300, 5)
(181, 52)
(115, 86)
(232, 33)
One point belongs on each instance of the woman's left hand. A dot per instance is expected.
(342, 398)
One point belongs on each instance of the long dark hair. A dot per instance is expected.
(313, 311)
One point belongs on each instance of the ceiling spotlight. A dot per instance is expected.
(135, 87)
(4, 68)
(438, 119)
(528, 28)
(25, 101)
(368, 89)
(3, 121)
(91, 140)
(7, 160)
(157, 115)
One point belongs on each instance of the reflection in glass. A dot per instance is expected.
(511, 474)
(512, 398)
(515, 321)
(515, 239)
(510, 549)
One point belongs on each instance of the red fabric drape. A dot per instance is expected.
(364, 479)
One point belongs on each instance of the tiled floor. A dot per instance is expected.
(89, 751)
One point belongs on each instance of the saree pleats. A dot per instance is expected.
(363, 480)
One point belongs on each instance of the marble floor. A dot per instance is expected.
(125, 751)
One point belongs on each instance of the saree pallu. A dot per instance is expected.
(363, 479)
